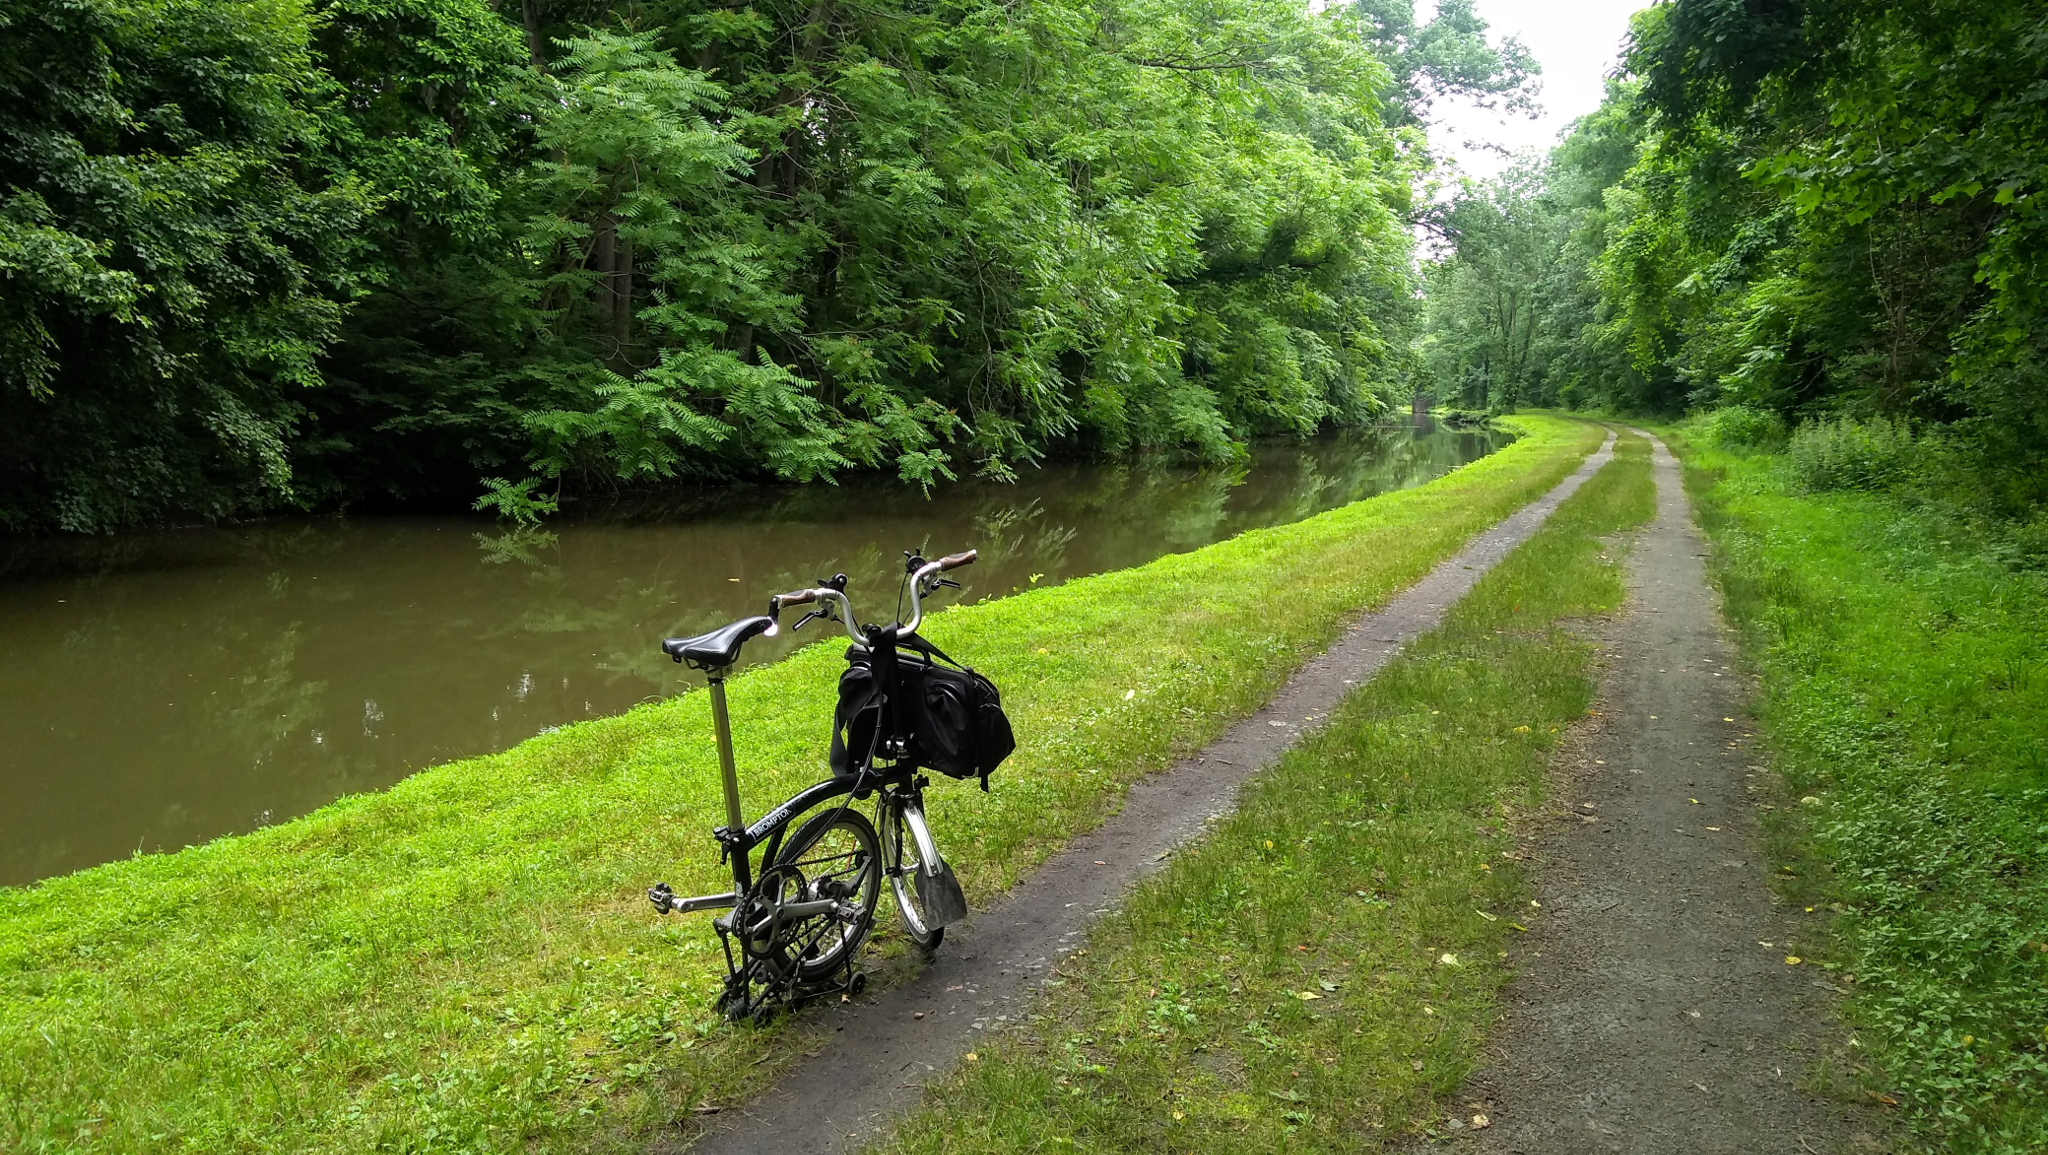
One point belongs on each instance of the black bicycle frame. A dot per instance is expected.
(737, 837)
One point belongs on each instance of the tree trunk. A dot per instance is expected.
(767, 168)
(622, 307)
(604, 246)
(529, 15)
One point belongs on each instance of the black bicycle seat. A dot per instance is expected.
(720, 647)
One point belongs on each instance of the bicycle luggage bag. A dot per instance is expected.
(958, 725)
(951, 720)
(855, 718)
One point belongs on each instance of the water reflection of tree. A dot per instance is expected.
(1022, 536)
(270, 638)
(524, 544)
(228, 682)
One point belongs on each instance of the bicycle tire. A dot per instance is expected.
(833, 854)
(897, 847)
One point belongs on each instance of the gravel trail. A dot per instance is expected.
(1655, 1007)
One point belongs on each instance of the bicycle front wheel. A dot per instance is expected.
(833, 856)
(899, 850)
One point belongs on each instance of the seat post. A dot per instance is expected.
(721, 725)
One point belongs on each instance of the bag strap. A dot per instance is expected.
(917, 642)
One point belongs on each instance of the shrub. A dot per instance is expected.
(1851, 454)
(1739, 427)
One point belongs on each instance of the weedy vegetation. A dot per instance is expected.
(1902, 636)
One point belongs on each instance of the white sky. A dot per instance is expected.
(1578, 43)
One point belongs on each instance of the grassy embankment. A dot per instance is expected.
(465, 961)
(1318, 971)
(1904, 655)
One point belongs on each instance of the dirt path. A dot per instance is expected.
(882, 1049)
(1653, 1009)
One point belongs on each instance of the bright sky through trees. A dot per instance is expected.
(1577, 42)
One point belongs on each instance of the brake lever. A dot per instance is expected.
(807, 618)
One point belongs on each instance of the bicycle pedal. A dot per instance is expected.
(661, 896)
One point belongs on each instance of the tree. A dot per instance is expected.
(1811, 207)
(172, 257)
(321, 252)
(1448, 56)
(1486, 296)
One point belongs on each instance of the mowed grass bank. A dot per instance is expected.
(1317, 972)
(465, 962)
(1904, 656)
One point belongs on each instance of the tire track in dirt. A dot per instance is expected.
(1654, 1008)
(880, 1050)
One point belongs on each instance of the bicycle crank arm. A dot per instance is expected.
(790, 912)
(669, 902)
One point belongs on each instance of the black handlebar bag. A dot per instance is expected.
(949, 717)
(856, 719)
(956, 721)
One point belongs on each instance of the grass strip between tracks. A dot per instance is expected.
(1317, 972)
(465, 962)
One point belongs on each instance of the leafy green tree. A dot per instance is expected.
(1486, 297)
(962, 235)
(1810, 207)
(408, 402)
(1450, 55)
(320, 252)
(172, 256)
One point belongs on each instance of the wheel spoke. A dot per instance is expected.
(905, 864)
(834, 856)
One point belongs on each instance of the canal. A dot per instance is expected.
(159, 690)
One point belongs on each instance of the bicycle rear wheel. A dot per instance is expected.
(833, 855)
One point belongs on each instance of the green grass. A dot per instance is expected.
(1904, 658)
(1316, 974)
(465, 962)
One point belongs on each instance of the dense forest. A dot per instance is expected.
(264, 254)
(1814, 218)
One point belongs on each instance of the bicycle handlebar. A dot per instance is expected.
(928, 573)
(925, 576)
(779, 602)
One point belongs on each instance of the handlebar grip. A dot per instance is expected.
(792, 598)
(957, 560)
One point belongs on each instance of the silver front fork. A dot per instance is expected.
(927, 850)
(721, 725)
(938, 892)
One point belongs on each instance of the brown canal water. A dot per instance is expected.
(159, 690)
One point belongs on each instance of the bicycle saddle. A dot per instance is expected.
(720, 647)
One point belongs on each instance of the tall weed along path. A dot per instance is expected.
(464, 961)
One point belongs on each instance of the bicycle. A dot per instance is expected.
(795, 926)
